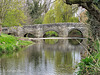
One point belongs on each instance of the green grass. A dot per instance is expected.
(10, 44)
(91, 64)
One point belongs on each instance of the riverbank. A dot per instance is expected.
(90, 65)
(10, 44)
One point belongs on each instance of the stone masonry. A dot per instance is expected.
(39, 30)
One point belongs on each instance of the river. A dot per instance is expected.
(46, 57)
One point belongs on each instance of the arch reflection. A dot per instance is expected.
(75, 41)
(29, 35)
(51, 41)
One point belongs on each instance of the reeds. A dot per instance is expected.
(90, 65)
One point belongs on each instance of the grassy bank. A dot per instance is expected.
(10, 44)
(90, 65)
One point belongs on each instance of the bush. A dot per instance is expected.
(91, 64)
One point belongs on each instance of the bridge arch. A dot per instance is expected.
(29, 35)
(14, 34)
(75, 32)
(56, 33)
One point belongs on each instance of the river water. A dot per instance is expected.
(46, 57)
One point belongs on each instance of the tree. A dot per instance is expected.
(11, 12)
(37, 9)
(47, 4)
(93, 7)
(49, 17)
(59, 12)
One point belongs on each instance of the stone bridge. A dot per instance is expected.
(39, 30)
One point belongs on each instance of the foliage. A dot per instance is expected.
(10, 44)
(60, 12)
(13, 18)
(35, 9)
(94, 23)
(91, 64)
(73, 19)
(94, 26)
(51, 34)
(38, 20)
(11, 12)
(49, 17)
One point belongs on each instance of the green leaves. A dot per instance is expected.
(91, 64)
(14, 17)
(87, 61)
(12, 13)
(49, 17)
(59, 12)
(35, 10)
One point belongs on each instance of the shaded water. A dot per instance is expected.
(47, 57)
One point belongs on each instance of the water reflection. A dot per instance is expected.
(51, 41)
(43, 59)
(75, 41)
(62, 61)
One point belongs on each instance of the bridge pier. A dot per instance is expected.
(39, 32)
(63, 32)
(20, 31)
